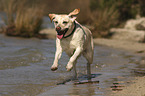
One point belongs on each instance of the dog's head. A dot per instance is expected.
(63, 22)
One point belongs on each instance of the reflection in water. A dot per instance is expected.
(85, 90)
(25, 69)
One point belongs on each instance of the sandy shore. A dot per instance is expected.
(125, 45)
(137, 88)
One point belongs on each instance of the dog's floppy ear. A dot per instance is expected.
(73, 14)
(51, 16)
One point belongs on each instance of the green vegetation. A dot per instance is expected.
(112, 13)
(105, 15)
(24, 17)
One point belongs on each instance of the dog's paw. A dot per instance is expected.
(53, 68)
(69, 67)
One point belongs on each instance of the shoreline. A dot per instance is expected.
(138, 86)
(132, 46)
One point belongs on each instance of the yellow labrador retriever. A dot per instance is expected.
(74, 39)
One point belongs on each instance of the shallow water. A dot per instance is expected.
(25, 69)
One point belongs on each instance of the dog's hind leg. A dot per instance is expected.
(75, 71)
(89, 71)
(88, 54)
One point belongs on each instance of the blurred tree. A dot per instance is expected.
(127, 9)
(142, 7)
(102, 14)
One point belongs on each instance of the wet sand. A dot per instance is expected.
(25, 69)
(136, 86)
(134, 47)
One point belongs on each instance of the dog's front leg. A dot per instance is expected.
(57, 56)
(74, 58)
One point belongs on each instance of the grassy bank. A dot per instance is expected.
(24, 18)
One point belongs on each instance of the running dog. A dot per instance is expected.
(74, 39)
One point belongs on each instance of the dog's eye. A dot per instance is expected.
(65, 22)
(56, 22)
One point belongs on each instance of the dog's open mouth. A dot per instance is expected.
(61, 33)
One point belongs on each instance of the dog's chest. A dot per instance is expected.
(73, 42)
(68, 44)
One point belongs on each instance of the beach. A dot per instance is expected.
(136, 85)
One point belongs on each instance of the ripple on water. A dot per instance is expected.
(25, 69)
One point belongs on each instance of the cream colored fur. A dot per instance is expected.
(80, 42)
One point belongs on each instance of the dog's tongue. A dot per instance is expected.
(59, 36)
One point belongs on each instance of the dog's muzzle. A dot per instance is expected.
(61, 33)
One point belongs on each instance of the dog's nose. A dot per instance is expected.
(58, 28)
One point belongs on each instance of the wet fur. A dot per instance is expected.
(80, 42)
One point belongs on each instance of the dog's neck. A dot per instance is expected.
(70, 31)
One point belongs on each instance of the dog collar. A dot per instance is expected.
(71, 32)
